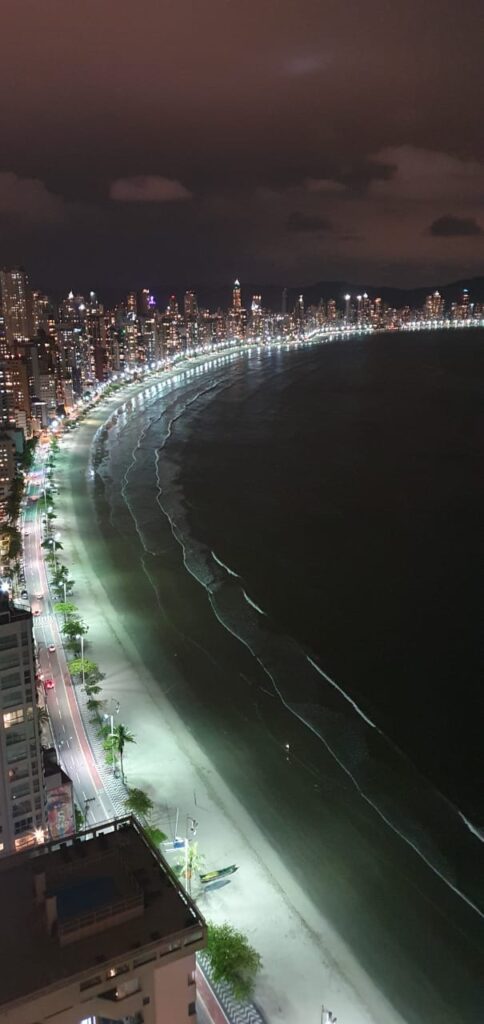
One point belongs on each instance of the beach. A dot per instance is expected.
(355, 922)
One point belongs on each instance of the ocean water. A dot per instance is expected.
(327, 503)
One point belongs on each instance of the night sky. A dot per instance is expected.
(283, 141)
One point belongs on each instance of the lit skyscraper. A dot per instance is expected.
(22, 810)
(16, 302)
(236, 297)
(190, 305)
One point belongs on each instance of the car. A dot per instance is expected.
(49, 684)
(36, 611)
(39, 596)
(51, 648)
(24, 594)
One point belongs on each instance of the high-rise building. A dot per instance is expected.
(17, 304)
(236, 297)
(97, 928)
(190, 309)
(190, 305)
(96, 333)
(7, 474)
(256, 315)
(299, 311)
(22, 810)
(42, 313)
(433, 307)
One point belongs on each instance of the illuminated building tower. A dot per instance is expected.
(22, 811)
(132, 303)
(96, 333)
(73, 345)
(3, 334)
(42, 316)
(7, 475)
(347, 308)
(427, 308)
(331, 310)
(144, 302)
(7, 401)
(433, 307)
(321, 315)
(236, 297)
(377, 315)
(465, 304)
(299, 313)
(190, 305)
(256, 316)
(16, 377)
(171, 326)
(366, 310)
(190, 309)
(149, 328)
(16, 302)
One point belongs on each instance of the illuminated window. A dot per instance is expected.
(13, 718)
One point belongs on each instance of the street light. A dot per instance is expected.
(79, 636)
(110, 716)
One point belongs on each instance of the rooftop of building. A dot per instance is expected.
(10, 612)
(70, 906)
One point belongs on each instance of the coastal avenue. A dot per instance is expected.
(70, 738)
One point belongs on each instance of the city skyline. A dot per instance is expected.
(277, 144)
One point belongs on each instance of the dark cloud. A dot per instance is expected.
(455, 227)
(307, 222)
(148, 188)
(361, 174)
(323, 122)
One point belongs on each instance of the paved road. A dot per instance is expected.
(70, 738)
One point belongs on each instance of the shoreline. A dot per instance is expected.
(146, 710)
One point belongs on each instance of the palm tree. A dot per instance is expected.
(92, 689)
(78, 666)
(139, 803)
(155, 834)
(119, 738)
(95, 706)
(65, 608)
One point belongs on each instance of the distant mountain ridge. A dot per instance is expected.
(214, 297)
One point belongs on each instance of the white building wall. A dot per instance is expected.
(21, 780)
(155, 993)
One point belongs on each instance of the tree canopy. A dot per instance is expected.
(232, 959)
(139, 803)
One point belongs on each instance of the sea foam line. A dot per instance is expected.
(292, 710)
(343, 694)
(365, 796)
(253, 604)
(223, 566)
(478, 832)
